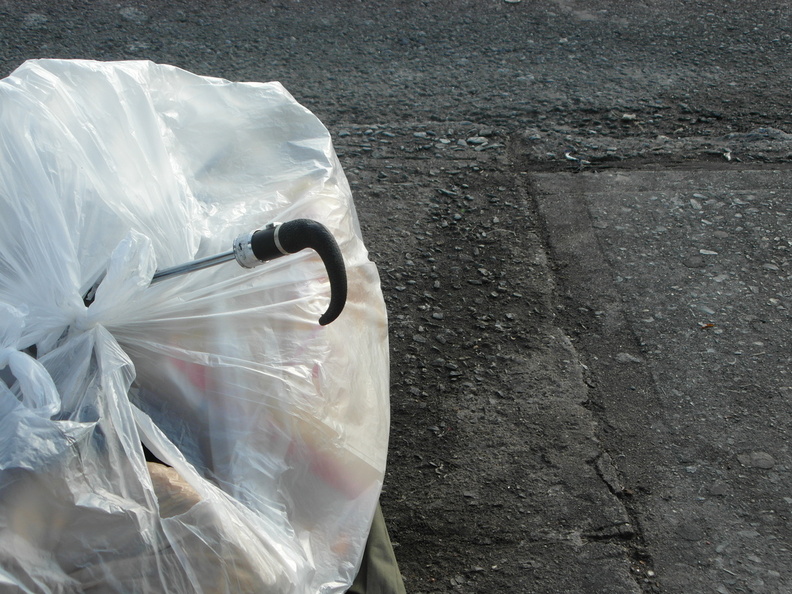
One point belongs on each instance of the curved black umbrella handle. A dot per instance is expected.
(281, 239)
(274, 241)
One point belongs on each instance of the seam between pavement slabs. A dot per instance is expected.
(580, 267)
(489, 397)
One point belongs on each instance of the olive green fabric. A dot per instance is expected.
(379, 572)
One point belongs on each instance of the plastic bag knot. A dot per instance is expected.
(83, 320)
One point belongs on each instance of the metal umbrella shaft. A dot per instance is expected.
(188, 267)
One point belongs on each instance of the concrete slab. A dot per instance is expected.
(677, 298)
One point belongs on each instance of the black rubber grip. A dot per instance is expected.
(263, 245)
(297, 235)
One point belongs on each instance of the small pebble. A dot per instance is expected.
(718, 489)
(761, 460)
(628, 358)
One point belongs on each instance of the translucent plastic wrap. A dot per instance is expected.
(275, 427)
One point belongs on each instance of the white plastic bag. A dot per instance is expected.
(276, 428)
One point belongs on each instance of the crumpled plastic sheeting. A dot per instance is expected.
(276, 426)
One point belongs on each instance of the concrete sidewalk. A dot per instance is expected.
(677, 296)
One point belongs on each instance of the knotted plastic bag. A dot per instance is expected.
(273, 428)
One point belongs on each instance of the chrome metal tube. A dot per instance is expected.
(187, 267)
